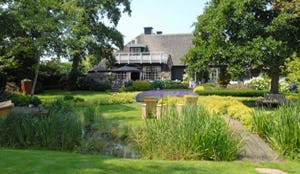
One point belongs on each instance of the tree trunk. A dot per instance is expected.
(75, 63)
(274, 80)
(74, 72)
(36, 74)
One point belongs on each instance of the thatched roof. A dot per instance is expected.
(177, 45)
(126, 69)
(97, 69)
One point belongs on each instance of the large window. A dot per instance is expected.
(122, 75)
(151, 72)
(214, 74)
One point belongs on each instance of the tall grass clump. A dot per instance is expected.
(281, 128)
(194, 135)
(58, 129)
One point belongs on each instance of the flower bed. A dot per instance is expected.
(159, 94)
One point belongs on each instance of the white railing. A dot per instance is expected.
(157, 57)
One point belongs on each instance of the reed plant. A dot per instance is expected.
(58, 129)
(195, 134)
(281, 128)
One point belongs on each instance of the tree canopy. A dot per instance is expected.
(72, 29)
(240, 36)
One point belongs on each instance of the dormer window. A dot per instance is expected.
(137, 48)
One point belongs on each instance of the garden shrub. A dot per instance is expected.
(227, 106)
(224, 92)
(198, 88)
(238, 87)
(208, 84)
(141, 85)
(118, 98)
(20, 99)
(293, 97)
(280, 128)
(83, 83)
(196, 135)
(171, 100)
(260, 84)
(157, 84)
(100, 86)
(178, 85)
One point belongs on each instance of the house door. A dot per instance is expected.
(135, 76)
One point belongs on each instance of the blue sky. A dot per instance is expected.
(168, 16)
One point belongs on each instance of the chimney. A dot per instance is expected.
(148, 30)
(159, 32)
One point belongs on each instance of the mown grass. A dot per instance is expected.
(33, 161)
(130, 114)
(89, 96)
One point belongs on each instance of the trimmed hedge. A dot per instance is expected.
(228, 106)
(141, 85)
(240, 93)
(118, 98)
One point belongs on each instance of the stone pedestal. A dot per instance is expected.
(144, 112)
(179, 108)
(190, 100)
(161, 110)
(150, 108)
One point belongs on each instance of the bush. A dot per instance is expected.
(20, 99)
(198, 88)
(157, 84)
(118, 98)
(171, 100)
(141, 85)
(196, 135)
(208, 84)
(83, 83)
(175, 85)
(228, 106)
(281, 128)
(239, 93)
(260, 84)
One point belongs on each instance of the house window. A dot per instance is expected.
(152, 72)
(122, 76)
(213, 74)
(135, 50)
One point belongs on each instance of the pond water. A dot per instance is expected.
(121, 150)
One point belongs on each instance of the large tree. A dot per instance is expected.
(91, 31)
(34, 32)
(52, 28)
(246, 34)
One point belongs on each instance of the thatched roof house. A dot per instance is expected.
(156, 53)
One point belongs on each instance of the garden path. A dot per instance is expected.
(253, 147)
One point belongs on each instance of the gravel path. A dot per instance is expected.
(253, 147)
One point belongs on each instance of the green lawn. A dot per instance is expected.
(39, 162)
(36, 161)
(123, 113)
(90, 96)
